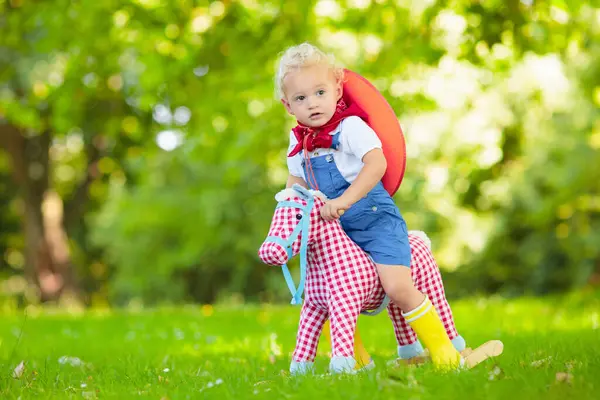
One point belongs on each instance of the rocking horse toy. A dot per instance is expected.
(339, 278)
(340, 281)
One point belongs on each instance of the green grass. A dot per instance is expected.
(239, 353)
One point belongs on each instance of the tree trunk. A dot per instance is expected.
(594, 279)
(47, 257)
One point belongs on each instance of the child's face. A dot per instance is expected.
(311, 94)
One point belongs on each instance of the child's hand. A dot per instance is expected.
(333, 209)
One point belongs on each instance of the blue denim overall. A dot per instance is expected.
(374, 222)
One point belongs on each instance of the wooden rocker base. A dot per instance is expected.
(472, 357)
(490, 349)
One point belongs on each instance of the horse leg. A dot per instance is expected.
(362, 356)
(311, 323)
(408, 344)
(343, 313)
(428, 279)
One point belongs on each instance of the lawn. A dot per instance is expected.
(552, 351)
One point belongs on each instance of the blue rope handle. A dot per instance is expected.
(302, 228)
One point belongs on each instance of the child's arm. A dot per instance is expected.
(295, 179)
(371, 173)
(361, 141)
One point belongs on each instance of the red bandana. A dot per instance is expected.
(319, 137)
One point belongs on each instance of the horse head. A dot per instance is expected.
(293, 224)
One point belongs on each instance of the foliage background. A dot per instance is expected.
(141, 143)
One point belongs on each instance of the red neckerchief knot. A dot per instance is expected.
(311, 138)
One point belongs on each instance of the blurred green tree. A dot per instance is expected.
(146, 142)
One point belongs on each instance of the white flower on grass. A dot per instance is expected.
(202, 373)
(542, 362)
(262, 387)
(72, 361)
(273, 348)
(209, 385)
(166, 370)
(215, 383)
(19, 369)
(496, 373)
(178, 333)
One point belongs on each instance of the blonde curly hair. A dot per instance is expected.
(303, 55)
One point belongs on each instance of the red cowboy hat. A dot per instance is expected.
(384, 122)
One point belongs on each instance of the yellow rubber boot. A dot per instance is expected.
(361, 355)
(429, 328)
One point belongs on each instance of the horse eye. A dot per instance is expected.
(298, 216)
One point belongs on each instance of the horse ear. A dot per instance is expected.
(319, 195)
(302, 191)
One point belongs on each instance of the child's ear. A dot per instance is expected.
(339, 90)
(286, 104)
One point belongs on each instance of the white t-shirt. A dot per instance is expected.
(356, 139)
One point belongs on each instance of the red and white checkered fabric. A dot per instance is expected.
(427, 279)
(342, 281)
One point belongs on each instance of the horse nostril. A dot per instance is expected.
(272, 254)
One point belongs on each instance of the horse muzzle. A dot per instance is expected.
(272, 253)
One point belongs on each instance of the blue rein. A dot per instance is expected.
(302, 228)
